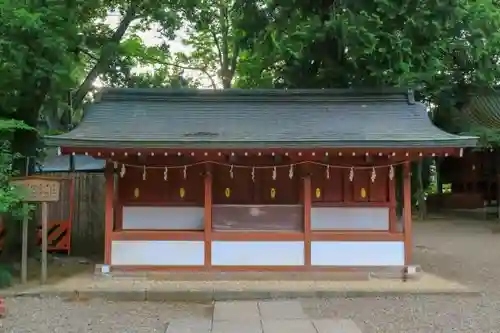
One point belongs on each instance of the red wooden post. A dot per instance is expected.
(407, 212)
(208, 217)
(307, 220)
(2, 307)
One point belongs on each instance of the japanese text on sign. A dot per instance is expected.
(39, 190)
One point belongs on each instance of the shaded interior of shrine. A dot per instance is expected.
(254, 193)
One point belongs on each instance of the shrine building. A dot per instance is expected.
(257, 179)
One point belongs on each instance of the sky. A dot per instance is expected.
(152, 37)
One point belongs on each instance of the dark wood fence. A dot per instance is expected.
(87, 204)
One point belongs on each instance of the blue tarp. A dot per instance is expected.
(61, 164)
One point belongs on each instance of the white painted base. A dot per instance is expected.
(357, 253)
(157, 253)
(257, 253)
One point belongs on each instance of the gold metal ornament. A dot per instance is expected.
(363, 193)
(318, 193)
(273, 193)
(227, 192)
(182, 192)
(136, 192)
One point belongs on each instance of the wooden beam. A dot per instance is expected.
(407, 212)
(158, 235)
(249, 236)
(295, 154)
(108, 213)
(357, 236)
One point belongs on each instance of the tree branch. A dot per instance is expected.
(104, 58)
(234, 59)
(224, 70)
(217, 45)
(88, 53)
(204, 71)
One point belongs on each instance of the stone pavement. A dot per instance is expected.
(147, 289)
(261, 317)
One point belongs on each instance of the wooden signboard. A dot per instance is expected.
(37, 189)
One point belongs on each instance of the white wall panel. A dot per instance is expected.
(257, 253)
(357, 253)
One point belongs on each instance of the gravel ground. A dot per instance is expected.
(57, 316)
(464, 251)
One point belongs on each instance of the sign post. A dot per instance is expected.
(44, 190)
(24, 244)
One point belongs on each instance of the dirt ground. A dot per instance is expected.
(59, 267)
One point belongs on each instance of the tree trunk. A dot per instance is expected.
(226, 71)
(105, 57)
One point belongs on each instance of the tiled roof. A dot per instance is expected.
(484, 110)
(62, 163)
(234, 118)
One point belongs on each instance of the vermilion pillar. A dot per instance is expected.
(407, 212)
(307, 220)
(208, 218)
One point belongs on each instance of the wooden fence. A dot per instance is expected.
(87, 206)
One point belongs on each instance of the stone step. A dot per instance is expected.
(243, 276)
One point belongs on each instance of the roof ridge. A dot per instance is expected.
(388, 94)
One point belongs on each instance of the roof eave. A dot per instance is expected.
(458, 142)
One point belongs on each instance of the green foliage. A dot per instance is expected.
(37, 46)
(10, 197)
(53, 52)
(134, 55)
(5, 276)
(488, 137)
(430, 44)
(220, 35)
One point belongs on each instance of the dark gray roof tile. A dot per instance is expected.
(158, 118)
